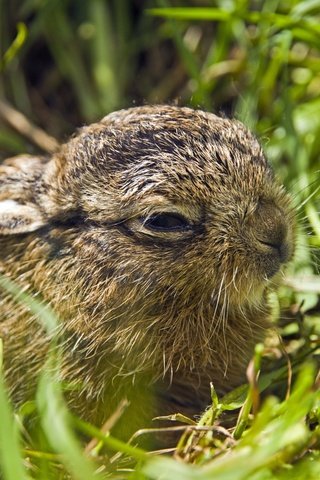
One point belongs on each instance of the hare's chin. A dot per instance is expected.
(253, 289)
(252, 297)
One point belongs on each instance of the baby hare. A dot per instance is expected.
(155, 235)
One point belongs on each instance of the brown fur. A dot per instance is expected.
(172, 309)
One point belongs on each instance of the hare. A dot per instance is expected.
(155, 235)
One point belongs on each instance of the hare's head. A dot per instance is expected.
(179, 207)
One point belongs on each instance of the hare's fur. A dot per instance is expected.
(168, 311)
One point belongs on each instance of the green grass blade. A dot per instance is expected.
(11, 461)
(56, 425)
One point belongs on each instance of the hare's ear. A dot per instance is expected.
(19, 211)
(15, 217)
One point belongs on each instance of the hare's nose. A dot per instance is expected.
(270, 230)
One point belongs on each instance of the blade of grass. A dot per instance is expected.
(55, 421)
(11, 461)
(103, 54)
(11, 53)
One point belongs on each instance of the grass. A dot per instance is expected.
(258, 61)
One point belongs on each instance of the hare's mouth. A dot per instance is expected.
(272, 256)
(247, 279)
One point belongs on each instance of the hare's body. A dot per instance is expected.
(153, 235)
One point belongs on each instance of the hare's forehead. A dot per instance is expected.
(137, 172)
(178, 160)
(204, 173)
(167, 142)
(190, 184)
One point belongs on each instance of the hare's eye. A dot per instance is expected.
(166, 222)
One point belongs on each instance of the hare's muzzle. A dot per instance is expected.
(271, 236)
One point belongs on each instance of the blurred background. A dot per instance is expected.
(65, 63)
